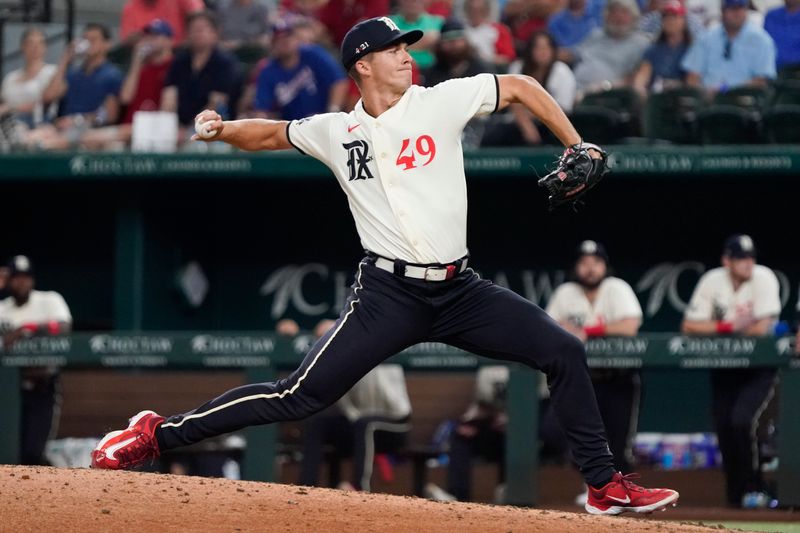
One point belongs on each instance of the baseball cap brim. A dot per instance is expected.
(409, 37)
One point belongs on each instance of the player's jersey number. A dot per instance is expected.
(423, 146)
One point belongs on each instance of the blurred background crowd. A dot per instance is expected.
(682, 71)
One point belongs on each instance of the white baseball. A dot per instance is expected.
(204, 130)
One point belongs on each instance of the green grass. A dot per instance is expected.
(780, 527)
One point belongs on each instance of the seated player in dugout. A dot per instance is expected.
(738, 298)
(597, 304)
(399, 160)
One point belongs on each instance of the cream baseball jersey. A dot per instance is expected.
(615, 301)
(42, 306)
(715, 299)
(403, 172)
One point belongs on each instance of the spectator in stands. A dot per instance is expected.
(243, 22)
(136, 14)
(661, 67)
(455, 56)
(202, 76)
(371, 418)
(411, 15)
(597, 304)
(24, 314)
(23, 89)
(491, 39)
(572, 25)
(338, 16)
(650, 22)
(300, 80)
(525, 17)
(740, 298)
(143, 85)
(539, 62)
(88, 91)
(609, 56)
(783, 25)
(733, 54)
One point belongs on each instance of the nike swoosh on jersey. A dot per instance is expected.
(351, 128)
(620, 500)
(112, 449)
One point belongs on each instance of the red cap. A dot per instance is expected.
(673, 7)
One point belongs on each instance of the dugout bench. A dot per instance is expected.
(262, 355)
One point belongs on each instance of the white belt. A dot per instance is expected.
(428, 273)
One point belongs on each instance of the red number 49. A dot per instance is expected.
(424, 147)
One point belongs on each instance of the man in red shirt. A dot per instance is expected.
(138, 13)
(338, 16)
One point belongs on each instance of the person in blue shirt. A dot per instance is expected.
(733, 54)
(300, 80)
(661, 65)
(88, 92)
(91, 87)
(783, 25)
(570, 26)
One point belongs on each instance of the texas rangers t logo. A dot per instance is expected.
(357, 159)
(389, 22)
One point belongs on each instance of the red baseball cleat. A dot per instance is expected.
(621, 494)
(129, 447)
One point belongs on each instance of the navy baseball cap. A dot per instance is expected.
(20, 264)
(371, 35)
(739, 246)
(595, 248)
(159, 27)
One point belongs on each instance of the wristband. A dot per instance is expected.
(723, 326)
(595, 331)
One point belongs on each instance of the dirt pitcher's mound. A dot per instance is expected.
(49, 499)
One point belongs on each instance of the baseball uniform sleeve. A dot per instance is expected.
(626, 304)
(555, 306)
(766, 295)
(701, 306)
(57, 309)
(311, 135)
(463, 98)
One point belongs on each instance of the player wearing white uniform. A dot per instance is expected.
(599, 305)
(25, 313)
(398, 158)
(739, 298)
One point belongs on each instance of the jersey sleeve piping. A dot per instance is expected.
(289, 138)
(497, 92)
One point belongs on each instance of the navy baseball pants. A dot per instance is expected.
(385, 314)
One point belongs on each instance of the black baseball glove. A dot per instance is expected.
(576, 173)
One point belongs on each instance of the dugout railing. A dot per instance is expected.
(262, 355)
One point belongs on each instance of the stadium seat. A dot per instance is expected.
(625, 101)
(728, 124)
(672, 115)
(781, 124)
(752, 98)
(601, 125)
(789, 72)
(786, 92)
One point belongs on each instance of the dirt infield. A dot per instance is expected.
(49, 499)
